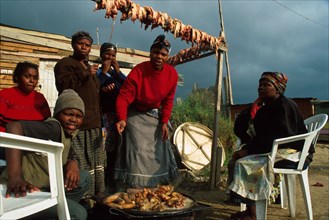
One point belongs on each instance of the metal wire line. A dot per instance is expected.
(315, 22)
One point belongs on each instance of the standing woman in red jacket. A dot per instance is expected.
(22, 102)
(143, 109)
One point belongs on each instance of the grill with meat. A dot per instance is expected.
(147, 199)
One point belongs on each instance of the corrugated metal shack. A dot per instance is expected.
(45, 49)
(306, 106)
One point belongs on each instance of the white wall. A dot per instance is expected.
(47, 82)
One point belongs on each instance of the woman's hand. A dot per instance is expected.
(165, 132)
(121, 126)
(93, 69)
(239, 154)
(71, 175)
(18, 186)
(108, 88)
(115, 66)
(106, 66)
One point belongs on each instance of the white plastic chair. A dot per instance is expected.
(15, 208)
(313, 124)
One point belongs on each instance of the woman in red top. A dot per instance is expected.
(22, 102)
(143, 109)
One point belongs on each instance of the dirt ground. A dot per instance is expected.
(215, 208)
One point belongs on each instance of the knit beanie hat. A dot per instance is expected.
(69, 99)
(278, 79)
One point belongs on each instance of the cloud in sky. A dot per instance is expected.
(261, 35)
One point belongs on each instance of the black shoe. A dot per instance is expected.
(230, 201)
(278, 199)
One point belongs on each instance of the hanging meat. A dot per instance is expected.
(149, 17)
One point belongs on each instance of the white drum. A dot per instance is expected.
(194, 143)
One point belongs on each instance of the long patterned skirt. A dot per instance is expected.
(144, 160)
(253, 178)
(87, 146)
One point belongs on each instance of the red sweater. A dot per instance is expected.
(146, 88)
(16, 105)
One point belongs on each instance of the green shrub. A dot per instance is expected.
(199, 107)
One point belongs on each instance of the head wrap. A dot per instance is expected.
(161, 42)
(69, 99)
(107, 46)
(81, 35)
(279, 80)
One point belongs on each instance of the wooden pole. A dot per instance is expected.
(112, 30)
(229, 84)
(226, 90)
(230, 96)
(97, 35)
(216, 153)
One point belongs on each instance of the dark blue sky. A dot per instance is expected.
(261, 35)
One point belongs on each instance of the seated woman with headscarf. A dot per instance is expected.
(270, 117)
(143, 109)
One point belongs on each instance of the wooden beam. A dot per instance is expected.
(131, 58)
(5, 65)
(10, 58)
(134, 52)
(6, 82)
(196, 58)
(36, 40)
(35, 33)
(6, 79)
(35, 55)
(16, 49)
(39, 48)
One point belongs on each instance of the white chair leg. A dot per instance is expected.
(243, 207)
(303, 179)
(261, 209)
(283, 194)
(290, 181)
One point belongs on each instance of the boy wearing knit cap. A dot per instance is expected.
(32, 175)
